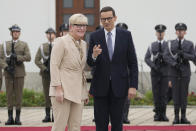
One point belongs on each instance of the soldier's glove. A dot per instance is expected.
(160, 56)
(13, 56)
(180, 53)
(9, 69)
(180, 59)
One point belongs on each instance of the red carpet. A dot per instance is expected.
(126, 128)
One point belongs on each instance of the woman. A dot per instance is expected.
(68, 89)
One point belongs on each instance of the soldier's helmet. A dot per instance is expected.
(98, 27)
(160, 28)
(50, 30)
(15, 28)
(122, 26)
(64, 27)
(181, 26)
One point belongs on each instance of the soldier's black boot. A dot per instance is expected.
(157, 116)
(10, 120)
(176, 118)
(52, 117)
(17, 119)
(164, 117)
(183, 117)
(47, 117)
(156, 113)
(93, 120)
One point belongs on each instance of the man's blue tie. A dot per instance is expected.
(110, 46)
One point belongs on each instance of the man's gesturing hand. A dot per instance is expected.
(96, 51)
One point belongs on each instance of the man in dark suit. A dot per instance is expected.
(112, 51)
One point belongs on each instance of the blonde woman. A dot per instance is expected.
(68, 84)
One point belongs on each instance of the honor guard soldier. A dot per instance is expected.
(13, 55)
(1, 79)
(179, 53)
(64, 29)
(195, 56)
(159, 73)
(127, 101)
(42, 60)
(1, 76)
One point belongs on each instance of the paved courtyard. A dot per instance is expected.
(32, 116)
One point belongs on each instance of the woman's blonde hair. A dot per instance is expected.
(78, 19)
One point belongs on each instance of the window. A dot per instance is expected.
(66, 18)
(67, 3)
(90, 8)
(89, 3)
(91, 19)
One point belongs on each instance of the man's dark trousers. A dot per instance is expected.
(108, 106)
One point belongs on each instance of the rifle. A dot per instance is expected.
(47, 62)
(159, 59)
(11, 61)
(180, 58)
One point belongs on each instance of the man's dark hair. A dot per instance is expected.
(108, 8)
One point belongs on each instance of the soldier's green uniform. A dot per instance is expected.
(14, 79)
(42, 60)
(1, 77)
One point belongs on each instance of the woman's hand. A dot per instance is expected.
(86, 101)
(59, 94)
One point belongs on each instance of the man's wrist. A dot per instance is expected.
(132, 87)
(94, 58)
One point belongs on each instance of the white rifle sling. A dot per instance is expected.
(169, 46)
(42, 53)
(153, 57)
(5, 50)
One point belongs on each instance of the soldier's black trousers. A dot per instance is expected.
(180, 91)
(159, 90)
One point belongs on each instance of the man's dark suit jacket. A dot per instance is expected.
(122, 70)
